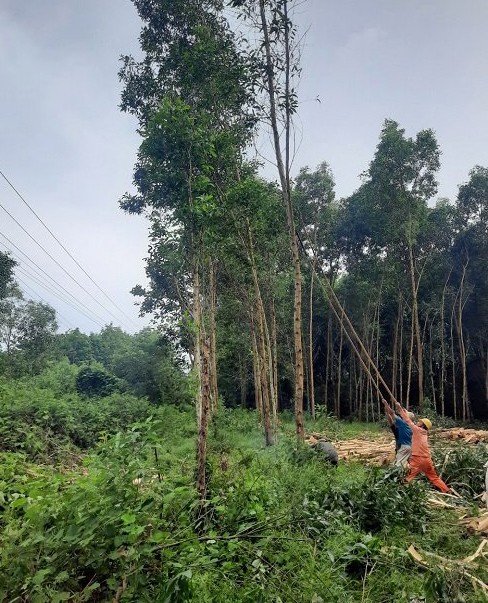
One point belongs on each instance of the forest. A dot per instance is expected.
(171, 464)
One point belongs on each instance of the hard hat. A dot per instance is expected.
(427, 423)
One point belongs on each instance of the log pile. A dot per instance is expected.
(379, 449)
(468, 436)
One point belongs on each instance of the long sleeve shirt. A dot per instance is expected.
(420, 437)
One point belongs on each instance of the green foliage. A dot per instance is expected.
(129, 521)
(94, 382)
(27, 331)
(7, 265)
(45, 425)
(462, 468)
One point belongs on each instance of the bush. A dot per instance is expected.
(462, 468)
(94, 382)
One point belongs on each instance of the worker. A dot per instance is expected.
(403, 436)
(421, 460)
(326, 450)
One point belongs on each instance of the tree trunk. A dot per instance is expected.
(416, 326)
(400, 354)
(256, 370)
(453, 362)
(243, 380)
(339, 374)
(214, 392)
(394, 369)
(328, 362)
(203, 427)
(284, 175)
(197, 326)
(462, 347)
(310, 348)
(274, 356)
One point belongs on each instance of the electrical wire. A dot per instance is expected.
(66, 250)
(60, 266)
(32, 292)
(55, 283)
(98, 322)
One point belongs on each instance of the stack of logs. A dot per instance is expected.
(380, 449)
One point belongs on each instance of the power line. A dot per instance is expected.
(64, 248)
(53, 292)
(61, 287)
(59, 265)
(68, 322)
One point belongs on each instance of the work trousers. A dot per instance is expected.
(403, 456)
(422, 464)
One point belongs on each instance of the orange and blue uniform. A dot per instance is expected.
(421, 461)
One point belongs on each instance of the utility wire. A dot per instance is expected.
(55, 283)
(49, 289)
(58, 264)
(26, 286)
(64, 248)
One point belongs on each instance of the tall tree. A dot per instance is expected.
(276, 57)
(189, 95)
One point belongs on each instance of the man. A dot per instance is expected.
(421, 460)
(326, 449)
(403, 436)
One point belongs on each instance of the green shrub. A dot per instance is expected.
(462, 467)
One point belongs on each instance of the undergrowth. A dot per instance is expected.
(277, 525)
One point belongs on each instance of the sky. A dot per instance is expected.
(70, 152)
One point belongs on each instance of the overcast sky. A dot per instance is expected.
(70, 151)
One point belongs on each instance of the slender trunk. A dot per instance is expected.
(328, 362)
(442, 334)
(432, 363)
(274, 356)
(197, 325)
(339, 373)
(284, 175)
(310, 348)
(243, 380)
(462, 347)
(410, 361)
(264, 377)
(306, 398)
(400, 355)
(394, 381)
(264, 349)
(453, 362)
(256, 370)
(214, 392)
(377, 359)
(416, 325)
(486, 376)
(350, 384)
(203, 427)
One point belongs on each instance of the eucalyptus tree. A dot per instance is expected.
(190, 96)
(275, 57)
(316, 210)
(389, 212)
(470, 270)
